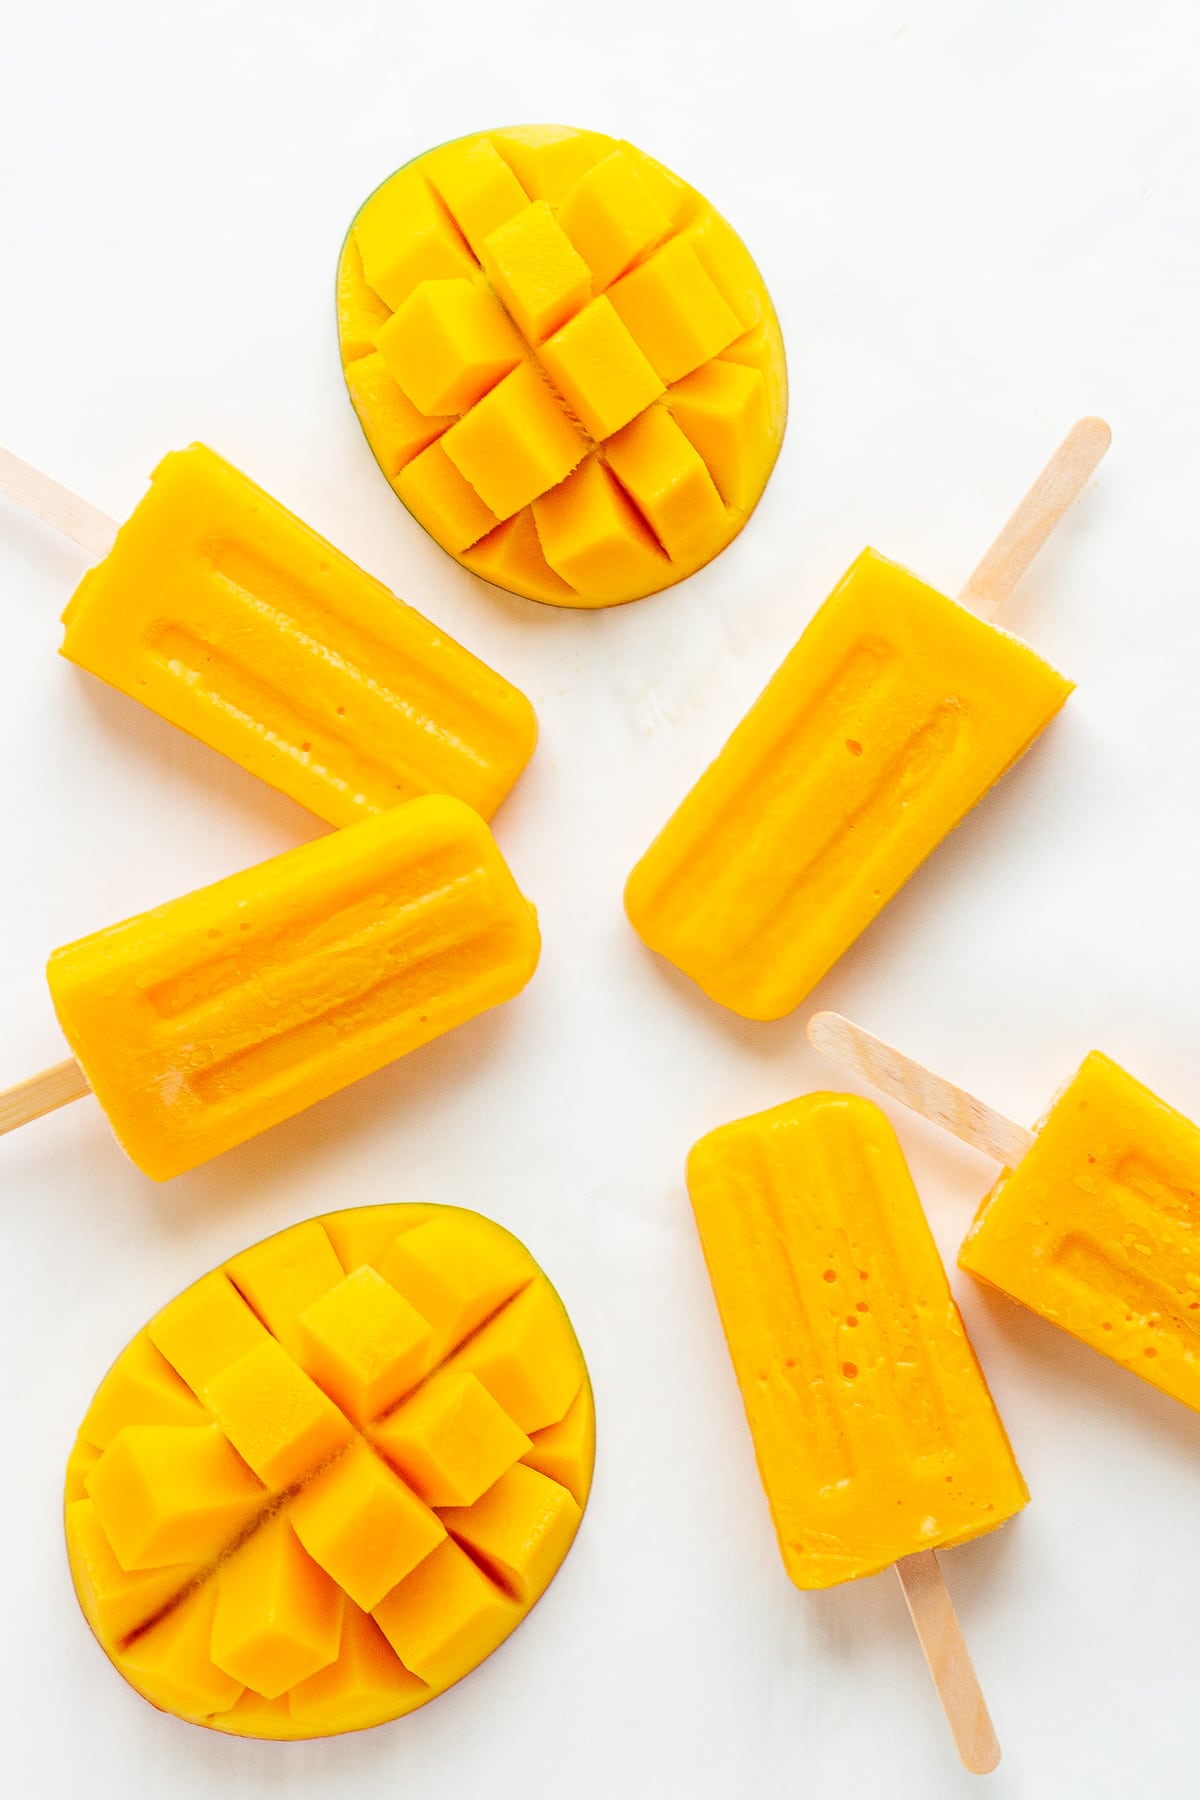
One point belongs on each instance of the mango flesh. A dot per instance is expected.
(330, 1477)
(564, 360)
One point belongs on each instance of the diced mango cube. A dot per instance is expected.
(450, 1440)
(762, 349)
(405, 236)
(520, 1530)
(677, 199)
(118, 1601)
(457, 1270)
(141, 1388)
(360, 310)
(170, 1494)
(669, 483)
(595, 538)
(252, 1716)
(566, 1451)
(443, 500)
(527, 1358)
(448, 344)
(275, 1416)
(80, 1463)
(511, 556)
(599, 370)
(362, 1234)
(612, 217)
(205, 1328)
(477, 185)
(170, 1663)
(730, 267)
(284, 1274)
(549, 159)
(536, 270)
(515, 444)
(365, 1344)
(445, 1616)
(394, 428)
(364, 1527)
(278, 1617)
(674, 310)
(366, 1685)
(722, 410)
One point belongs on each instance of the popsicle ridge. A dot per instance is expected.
(370, 921)
(445, 701)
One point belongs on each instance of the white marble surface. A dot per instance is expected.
(979, 221)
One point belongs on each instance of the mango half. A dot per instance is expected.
(330, 1477)
(564, 360)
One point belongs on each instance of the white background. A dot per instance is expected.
(979, 221)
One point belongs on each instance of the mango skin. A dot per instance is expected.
(262, 1559)
(659, 345)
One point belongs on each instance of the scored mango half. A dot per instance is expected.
(331, 1476)
(564, 360)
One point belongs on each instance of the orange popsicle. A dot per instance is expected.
(1097, 1228)
(875, 1434)
(227, 615)
(893, 715)
(202, 1022)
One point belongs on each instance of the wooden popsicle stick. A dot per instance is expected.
(58, 506)
(936, 1625)
(1056, 488)
(919, 1088)
(43, 1093)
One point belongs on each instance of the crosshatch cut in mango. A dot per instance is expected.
(330, 1477)
(522, 304)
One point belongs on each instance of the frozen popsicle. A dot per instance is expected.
(875, 1434)
(201, 1023)
(1095, 1222)
(225, 614)
(896, 711)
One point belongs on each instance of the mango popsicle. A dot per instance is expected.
(228, 616)
(1095, 1221)
(874, 1431)
(1098, 1227)
(206, 1020)
(893, 715)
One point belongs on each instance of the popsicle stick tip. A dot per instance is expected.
(822, 1027)
(940, 1634)
(1098, 430)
